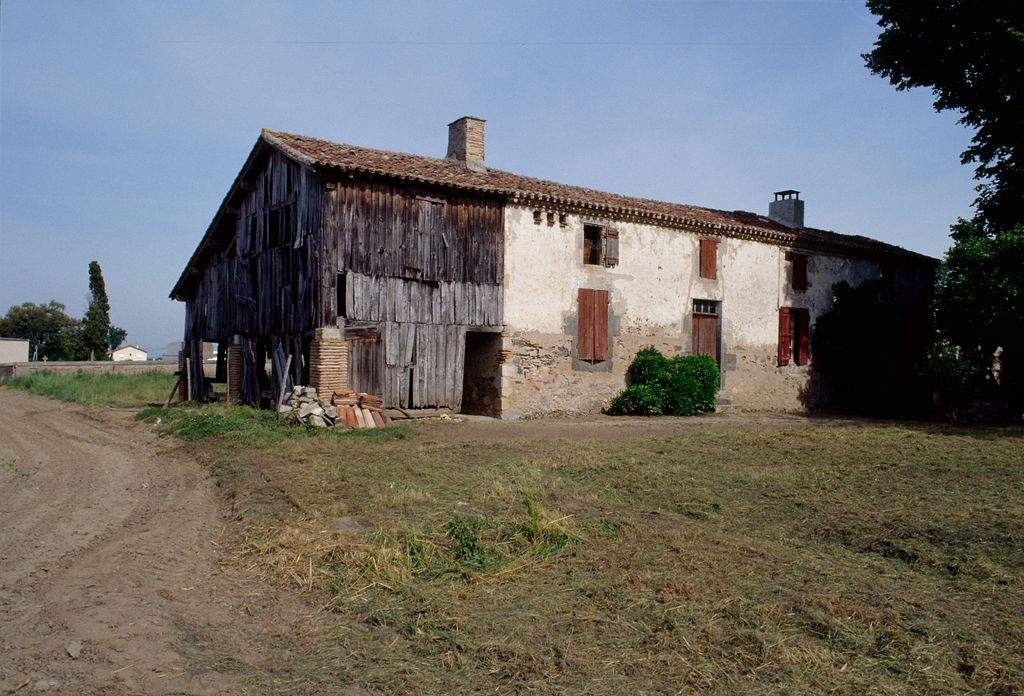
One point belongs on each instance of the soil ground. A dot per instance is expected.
(111, 572)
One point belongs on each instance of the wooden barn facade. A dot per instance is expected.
(442, 283)
(310, 274)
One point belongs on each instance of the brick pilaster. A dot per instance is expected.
(328, 364)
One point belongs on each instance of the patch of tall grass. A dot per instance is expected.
(87, 388)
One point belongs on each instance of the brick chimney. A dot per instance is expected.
(466, 142)
(787, 209)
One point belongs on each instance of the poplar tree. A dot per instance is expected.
(95, 331)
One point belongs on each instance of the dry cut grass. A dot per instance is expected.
(709, 557)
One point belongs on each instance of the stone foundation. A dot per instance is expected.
(539, 375)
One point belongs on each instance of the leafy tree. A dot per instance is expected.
(970, 54)
(50, 332)
(96, 324)
(116, 336)
(869, 353)
(979, 301)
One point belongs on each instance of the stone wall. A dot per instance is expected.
(12, 370)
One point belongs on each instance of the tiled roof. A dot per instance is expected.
(528, 190)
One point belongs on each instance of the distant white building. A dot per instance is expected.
(133, 353)
(13, 350)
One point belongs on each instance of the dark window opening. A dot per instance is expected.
(274, 228)
(251, 231)
(592, 245)
(600, 246)
(342, 296)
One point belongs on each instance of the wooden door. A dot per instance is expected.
(705, 335)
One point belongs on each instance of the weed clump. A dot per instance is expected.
(683, 385)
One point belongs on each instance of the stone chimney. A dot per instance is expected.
(466, 142)
(787, 209)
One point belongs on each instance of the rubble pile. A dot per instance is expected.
(303, 406)
(344, 409)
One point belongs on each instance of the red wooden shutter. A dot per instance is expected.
(799, 271)
(708, 261)
(611, 248)
(600, 325)
(592, 327)
(785, 335)
(585, 326)
(803, 318)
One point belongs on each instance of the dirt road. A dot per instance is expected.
(110, 580)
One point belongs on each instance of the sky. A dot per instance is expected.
(123, 123)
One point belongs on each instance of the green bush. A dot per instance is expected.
(683, 385)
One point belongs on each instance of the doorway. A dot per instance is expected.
(481, 381)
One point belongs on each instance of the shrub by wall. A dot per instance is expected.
(683, 385)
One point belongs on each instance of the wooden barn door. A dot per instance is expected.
(366, 362)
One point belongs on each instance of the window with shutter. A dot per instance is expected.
(794, 335)
(592, 325)
(708, 259)
(799, 271)
(785, 335)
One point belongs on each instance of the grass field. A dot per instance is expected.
(124, 390)
(611, 556)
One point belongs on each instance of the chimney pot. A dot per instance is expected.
(787, 209)
(466, 142)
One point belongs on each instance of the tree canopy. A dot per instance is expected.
(971, 54)
(50, 332)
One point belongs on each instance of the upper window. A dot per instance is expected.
(799, 271)
(600, 246)
(709, 259)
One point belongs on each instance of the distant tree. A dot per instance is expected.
(50, 332)
(116, 336)
(969, 53)
(96, 324)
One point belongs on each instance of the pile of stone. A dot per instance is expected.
(342, 409)
(303, 406)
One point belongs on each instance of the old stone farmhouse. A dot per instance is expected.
(443, 283)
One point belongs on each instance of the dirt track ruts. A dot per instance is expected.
(108, 552)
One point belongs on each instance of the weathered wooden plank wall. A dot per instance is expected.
(259, 275)
(261, 278)
(420, 267)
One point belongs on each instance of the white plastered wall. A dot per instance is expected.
(651, 293)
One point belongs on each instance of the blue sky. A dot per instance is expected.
(122, 123)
